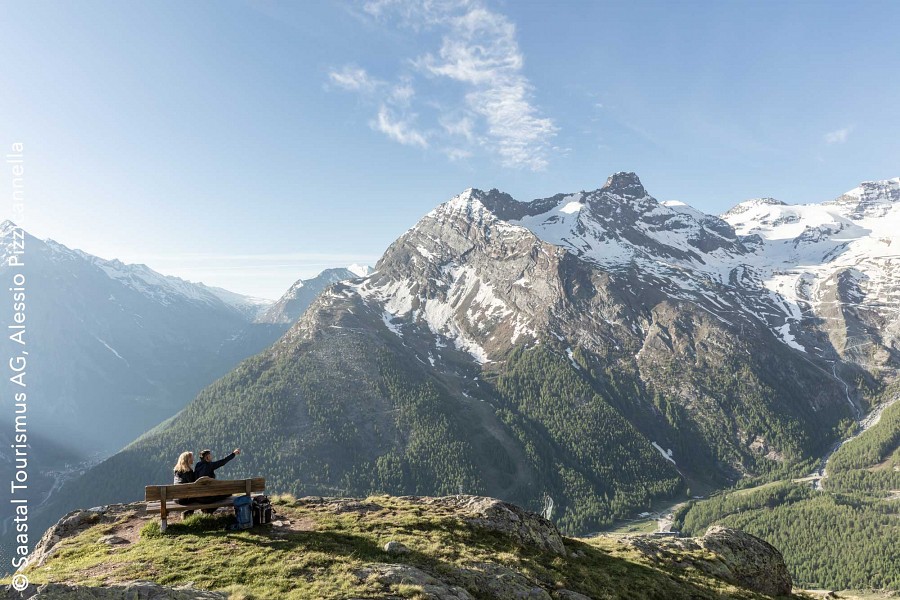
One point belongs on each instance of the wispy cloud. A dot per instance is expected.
(479, 50)
(354, 79)
(461, 126)
(455, 154)
(398, 129)
(402, 94)
(839, 136)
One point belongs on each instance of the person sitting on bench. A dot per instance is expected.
(207, 468)
(184, 473)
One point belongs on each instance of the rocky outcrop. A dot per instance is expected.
(495, 515)
(728, 554)
(300, 295)
(76, 522)
(748, 561)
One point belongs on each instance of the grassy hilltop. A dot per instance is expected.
(455, 547)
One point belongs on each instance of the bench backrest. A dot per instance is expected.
(204, 487)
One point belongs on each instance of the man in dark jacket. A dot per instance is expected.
(207, 467)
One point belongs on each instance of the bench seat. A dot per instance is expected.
(161, 498)
(172, 506)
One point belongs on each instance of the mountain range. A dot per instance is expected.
(115, 348)
(584, 354)
(119, 347)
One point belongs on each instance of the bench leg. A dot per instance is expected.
(163, 519)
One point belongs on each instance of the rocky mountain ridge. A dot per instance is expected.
(762, 262)
(300, 295)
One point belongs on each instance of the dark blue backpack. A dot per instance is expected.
(243, 512)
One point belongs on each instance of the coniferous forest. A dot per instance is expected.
(846, 536)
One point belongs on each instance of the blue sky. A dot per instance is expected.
(246, 144)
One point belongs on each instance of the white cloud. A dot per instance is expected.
(478, 50)
(456, 154)
(353, 79)
(462, 126)
(398, 129)
(838, 136)
(417, 13)
(402, 94)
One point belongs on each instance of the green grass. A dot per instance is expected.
(648, 525)
(325, 553)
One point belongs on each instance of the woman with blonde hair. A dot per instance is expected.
(184, 468)
(184, 473)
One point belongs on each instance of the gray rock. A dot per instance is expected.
(432, 589)
(77, 521)
(300, 295)
(740, 558)
(395, 548)
(751, 562)
(528, 528)
(500, 582)
(111, 540)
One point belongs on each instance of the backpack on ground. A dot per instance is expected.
(242, 512)
(262, 510)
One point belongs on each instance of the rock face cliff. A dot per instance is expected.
(438, 548)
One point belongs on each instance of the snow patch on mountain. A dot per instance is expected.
(469, 303)
(763, 261)
(666, 454)
(805, 249)
(360, 270)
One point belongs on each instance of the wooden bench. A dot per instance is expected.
(161, 498)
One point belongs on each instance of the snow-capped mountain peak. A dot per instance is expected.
(749, 205)
(870, 199)
(162, 289)
(624, 185)
(299, 296)
(360, 270)
(763, 263)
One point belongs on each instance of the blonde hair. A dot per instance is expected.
(185, 460)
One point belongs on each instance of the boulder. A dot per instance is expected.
(395, 548)
(727, 554)
(751, 562)
(500, 582)
(111, 540)
(528, 528)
